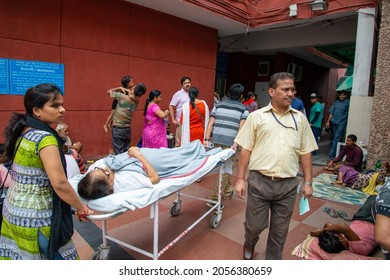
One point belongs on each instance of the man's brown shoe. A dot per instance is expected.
(248, 252)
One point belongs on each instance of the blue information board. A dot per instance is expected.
(23, 74)
(4, 81)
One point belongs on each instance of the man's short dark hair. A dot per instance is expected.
(330, 242)
(184, 78)
(140, 89)
(273, 81)
(235, 91)
(353, 137)
(125, 80)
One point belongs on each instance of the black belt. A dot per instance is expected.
(119, 127)
(273, 178)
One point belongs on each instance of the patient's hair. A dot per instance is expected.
(93, 187)
(330, 242)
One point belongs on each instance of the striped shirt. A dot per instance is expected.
(227, 116)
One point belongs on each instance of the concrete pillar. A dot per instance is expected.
(379, 143)
(365, 36)
(359, 118)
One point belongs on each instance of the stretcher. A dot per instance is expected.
(118, 203)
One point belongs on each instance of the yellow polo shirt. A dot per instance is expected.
(276, 141)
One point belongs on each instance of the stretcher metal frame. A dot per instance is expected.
(103, 251)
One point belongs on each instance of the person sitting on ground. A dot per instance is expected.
(63, 132)
(350, 177)
(72, 149)
(353, 154)
(358, 237)
(72, 168)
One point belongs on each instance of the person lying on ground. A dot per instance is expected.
(349, 177)
(358, 237)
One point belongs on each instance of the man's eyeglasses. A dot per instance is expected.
(104, 171)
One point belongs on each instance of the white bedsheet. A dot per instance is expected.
(145, 196)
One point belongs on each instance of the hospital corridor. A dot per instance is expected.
(202, 242)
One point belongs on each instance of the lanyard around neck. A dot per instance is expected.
(292, 115)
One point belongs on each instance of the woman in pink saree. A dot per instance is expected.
(154, 131)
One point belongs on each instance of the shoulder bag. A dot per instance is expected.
(2, 184)
(200, 115)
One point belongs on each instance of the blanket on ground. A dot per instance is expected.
(323, 188)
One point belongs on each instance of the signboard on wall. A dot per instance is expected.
(16, 76)
(4, 82)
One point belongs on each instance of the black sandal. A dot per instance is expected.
(331, 212)
(343, 216)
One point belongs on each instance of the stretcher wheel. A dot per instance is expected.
(175, 210)
(215, 220)
(102, 253)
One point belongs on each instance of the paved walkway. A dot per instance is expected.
(203, 242)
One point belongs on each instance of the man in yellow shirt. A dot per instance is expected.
(274, 141)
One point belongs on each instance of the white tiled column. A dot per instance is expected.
(359, 118)
(363, 51)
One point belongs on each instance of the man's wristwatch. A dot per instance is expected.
(308, 183)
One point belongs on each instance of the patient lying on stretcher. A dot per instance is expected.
(101, 180)
(133, 170)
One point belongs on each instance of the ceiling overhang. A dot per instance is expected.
(236, 19)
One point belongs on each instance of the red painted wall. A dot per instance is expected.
(99, 42)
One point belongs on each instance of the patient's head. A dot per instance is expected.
(332, 242)
(96, 184)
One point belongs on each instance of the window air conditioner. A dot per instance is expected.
(296, 70)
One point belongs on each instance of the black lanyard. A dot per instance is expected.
(292, 115)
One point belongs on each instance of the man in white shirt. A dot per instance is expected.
(176, 104)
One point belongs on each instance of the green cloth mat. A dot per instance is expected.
(323, 188)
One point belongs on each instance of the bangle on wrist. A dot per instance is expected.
(82, 215)
(240, 178)
(307, 183)
(206, 139)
